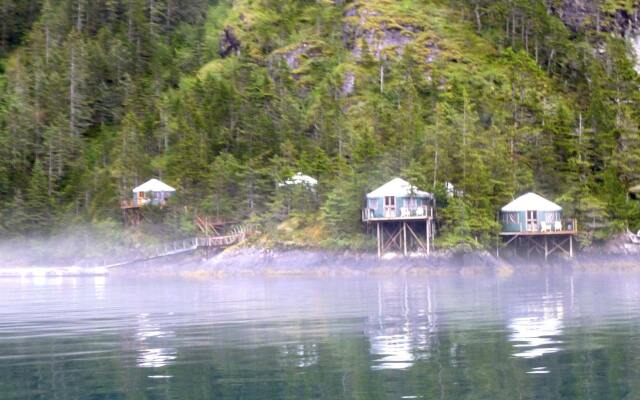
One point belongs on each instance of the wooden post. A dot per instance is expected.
(546, 249)
(378, 237)
(428, 228)
(571, 246)
(404, 237)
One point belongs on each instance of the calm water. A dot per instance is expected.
(536, 336)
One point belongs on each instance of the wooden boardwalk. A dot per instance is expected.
(237, 235)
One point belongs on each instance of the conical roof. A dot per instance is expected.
(531, 202)
(153, 185)
(399, 188)
(301, 178)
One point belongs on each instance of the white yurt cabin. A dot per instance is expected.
(153, 192)
(531, 213)
(398, 199)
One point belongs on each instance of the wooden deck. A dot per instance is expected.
(411, 215)
(391, 219)
(544, 243)
(538, 233)
(128, 204)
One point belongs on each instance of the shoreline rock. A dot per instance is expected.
(252, 262)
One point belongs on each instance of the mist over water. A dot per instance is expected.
(552, 335)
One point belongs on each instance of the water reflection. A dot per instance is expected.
(431, 338)
(301, 355)
(99, 286)
(403, 329)
(151, 344)
(536, 333)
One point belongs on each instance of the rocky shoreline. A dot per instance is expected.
(618, 254)
(251, 262)
(256, 262)
(319, 263)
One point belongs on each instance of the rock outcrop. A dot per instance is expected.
(297, 56)
(582, 15)
(229, 43)
(378, 31)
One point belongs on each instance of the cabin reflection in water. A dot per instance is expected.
(300, 355)
(536, 329)
(404, 329)
(152, 344)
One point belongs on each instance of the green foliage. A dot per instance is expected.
(494, 97)
(37, 206)
(465, 226)
(341, 209)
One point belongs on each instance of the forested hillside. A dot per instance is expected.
(224, 100)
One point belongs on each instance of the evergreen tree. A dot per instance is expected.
(37, 204)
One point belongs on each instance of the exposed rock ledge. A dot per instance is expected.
(251, 262)
(255, 262)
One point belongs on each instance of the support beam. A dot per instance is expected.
(428, 233)
(571, 244)
(396, 240)
(546, 249)
(419, 242)
(546, 244)
(404, 236)
(378, 239)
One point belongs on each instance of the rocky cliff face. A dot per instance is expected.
(592, 15)
(581, 15)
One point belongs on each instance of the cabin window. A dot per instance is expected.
(411, 203)
(141, 195)
(373, 204)
(511, 218)
(389, 201)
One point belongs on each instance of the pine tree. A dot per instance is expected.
(16, 215)
(37, 204)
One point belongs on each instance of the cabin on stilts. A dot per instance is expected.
(401, 216)
(151, 193)
(533, 224)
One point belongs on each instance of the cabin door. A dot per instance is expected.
(532, 221)
(389, 206)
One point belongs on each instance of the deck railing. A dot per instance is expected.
(127, 204)
(426, 212)
(562, 226)
(141, 202)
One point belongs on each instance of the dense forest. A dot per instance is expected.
(226, 99)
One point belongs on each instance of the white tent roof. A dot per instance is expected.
(153, 185)
(531, 202)
(300, 178)
(399, 188)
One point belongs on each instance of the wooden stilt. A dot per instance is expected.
(546, 249)
(417, 240)
(404, 238)
(428, 234)
(379, 239)
(571, 246)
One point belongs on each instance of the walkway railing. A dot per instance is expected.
(237, 234)
(408, 213)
